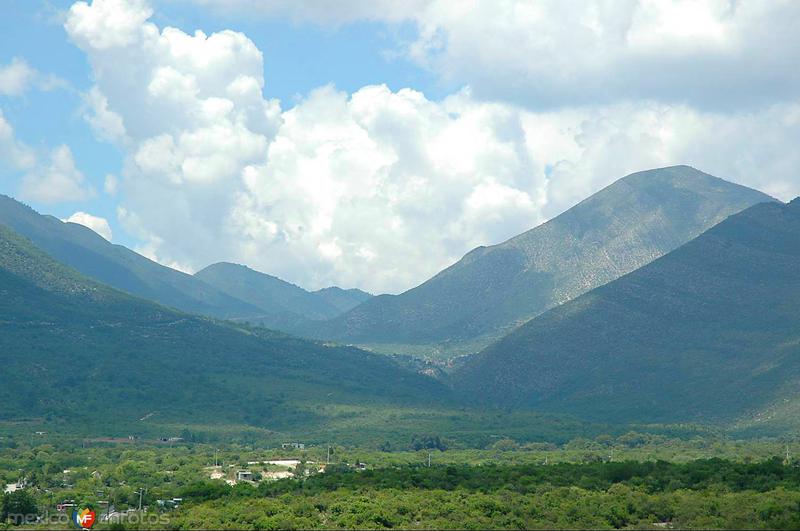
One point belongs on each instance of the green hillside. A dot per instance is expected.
(114, 265)
(494, 289)
(73, 350)
(709, 332)
(281, 303)
(342, 299)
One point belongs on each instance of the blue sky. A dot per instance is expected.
(46, 118)
(371, 143)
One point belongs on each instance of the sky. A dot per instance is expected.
(371, 143)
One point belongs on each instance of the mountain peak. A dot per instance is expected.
(684, 177)
(709, 329)
(219, 267)
(283, 304)
(494, 289)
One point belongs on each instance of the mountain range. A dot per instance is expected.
(72, 348)
(492, 290)
(119, 267)
(707, 333)
(282, 305)
(669, 296)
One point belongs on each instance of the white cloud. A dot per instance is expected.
(106, 123)
(586, 149)
(13, 154)
(381, 189)
(543, 54)
(108, 23)
(713, 53)
(378, 189)
(15, 77)
(319, 11)
(59, 181)
(110, 184)
(97, 224)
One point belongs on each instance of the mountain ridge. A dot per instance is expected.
(706, 332)
(278, 300)
(73, 348)
(493, 289)
(115, 265)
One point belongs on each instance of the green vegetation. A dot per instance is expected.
(81, 248)
(279, 301)
(494, 289)
(83, 358)
(165, 419)
(707, 333)
(547, 508)
(634, 480)
(211, 292)
(85, 355)
(708, 493)
(17, 502)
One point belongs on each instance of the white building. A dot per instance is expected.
(13, 487)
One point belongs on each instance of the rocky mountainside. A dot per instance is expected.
(709, 332)
(494, 289)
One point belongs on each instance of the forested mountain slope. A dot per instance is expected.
(709, 332)
(84, 250)
(276, 298)
(74, 349)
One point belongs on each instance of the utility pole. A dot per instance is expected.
(429, 459)
(328, 459)
(215, 456)
(788, 460)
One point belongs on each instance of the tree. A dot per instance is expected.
(386, 446)
(18, 507)
(505, 445)
(427, 442)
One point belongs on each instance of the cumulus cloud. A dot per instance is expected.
(588, 148)
(18, 76)
(712, 54)
(320, 11)
(15, 77)
(13, 153)
(57, 181)
(97, 224)
(380, 189)
(106, 124)
(107, 24)
(709, 53)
